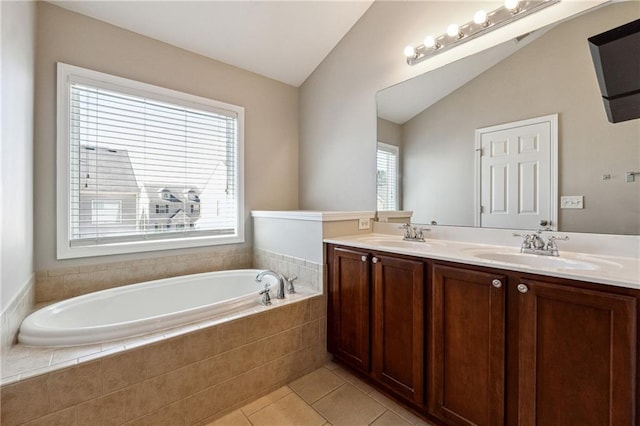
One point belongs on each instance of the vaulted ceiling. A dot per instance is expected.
(282, 40)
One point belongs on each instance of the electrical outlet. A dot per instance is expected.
(364, 223)
(572, 202)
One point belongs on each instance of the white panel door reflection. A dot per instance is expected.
(516, 182)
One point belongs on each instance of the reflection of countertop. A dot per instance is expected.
(611, 270)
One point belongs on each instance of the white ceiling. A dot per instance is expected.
(282, 40)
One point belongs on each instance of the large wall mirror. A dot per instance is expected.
(433, 120)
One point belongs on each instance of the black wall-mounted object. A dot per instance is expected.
(616, 57)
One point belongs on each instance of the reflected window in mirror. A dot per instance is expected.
(387, 159)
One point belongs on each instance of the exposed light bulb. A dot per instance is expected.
(480, 17)
(409, 52)
(453, 30)
(511, 5)
(429, 42)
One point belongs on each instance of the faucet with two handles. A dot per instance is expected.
(534, 244)
(413, 233)
(266, 297)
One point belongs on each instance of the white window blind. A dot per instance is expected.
(170, 162)
(387, 160)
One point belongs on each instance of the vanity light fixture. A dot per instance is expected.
(453, 30)
(430, 42)
(482, 23)
(481, 18)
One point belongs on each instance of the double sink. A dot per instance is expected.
(499, 254)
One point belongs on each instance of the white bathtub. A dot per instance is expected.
(141, 308)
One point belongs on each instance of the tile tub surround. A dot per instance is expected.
(11, 318)
(307, 271)
(64, 283)
(183, 379)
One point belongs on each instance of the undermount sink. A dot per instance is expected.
(539, 261)
(399, 243)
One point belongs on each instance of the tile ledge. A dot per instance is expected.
(315, 216)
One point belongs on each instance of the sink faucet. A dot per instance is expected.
(279, 277)
(534, 244)
(413, 233)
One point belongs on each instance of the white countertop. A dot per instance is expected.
(610, 270)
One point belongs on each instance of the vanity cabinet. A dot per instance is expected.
(349, 305)
(467, 341)
(398, 326)
(468, 345)
(577, 355)
(376, 318)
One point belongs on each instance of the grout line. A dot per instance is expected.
(381, 414)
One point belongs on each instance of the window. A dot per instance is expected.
(106, 211)
(387, 161)
(132, 160)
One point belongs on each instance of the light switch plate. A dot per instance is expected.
(572, 202)
(364, 223)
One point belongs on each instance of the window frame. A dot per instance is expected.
(395, 150)
(68, 74)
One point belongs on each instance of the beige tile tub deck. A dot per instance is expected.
(166, 378)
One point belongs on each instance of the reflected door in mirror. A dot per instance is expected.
(517, 163)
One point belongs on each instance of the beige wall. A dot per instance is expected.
(553, 74)
(16, 194)
(271, 113)
(389, 132)
(337, 102)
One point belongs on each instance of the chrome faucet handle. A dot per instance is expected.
(290, 288)
(407, 230)
(420, 234)
(526, 242)
(266, 297)
(551, 244)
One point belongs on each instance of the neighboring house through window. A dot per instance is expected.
(387, 181)
(144, 168)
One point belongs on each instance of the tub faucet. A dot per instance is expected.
(290, 288)
(279, 277)
(266, 297)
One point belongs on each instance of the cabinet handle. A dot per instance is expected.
(522, 288)
(496, 283)
(374, 260)
(364, 258)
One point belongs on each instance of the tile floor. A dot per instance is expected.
(328, 396)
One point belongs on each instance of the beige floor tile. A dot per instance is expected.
(389, 418)
(260, 403)
(354, 380)
(396, 408)
(331, 365)
(234, 418)
(288, 411)
(348, 406)
(317, 384)
(424, 423)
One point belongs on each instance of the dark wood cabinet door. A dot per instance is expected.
(349, 307)
(577, 356)
(398, 326)
(467, 345)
